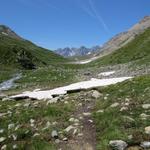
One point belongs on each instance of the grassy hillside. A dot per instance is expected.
(22, 53)
(138, 50)
(124, 115)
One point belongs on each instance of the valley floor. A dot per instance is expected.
(83, 120)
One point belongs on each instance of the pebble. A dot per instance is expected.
(11, 126)
(2, 139)
(69, 128)
(54, 134)
(114, 105)
(146, 106)
(87, 114)
(147, 130)
(1, 130)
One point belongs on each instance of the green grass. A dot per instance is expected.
(41, 113)
(112, 124)
(44, 78)
(24, 54)
(137, 50)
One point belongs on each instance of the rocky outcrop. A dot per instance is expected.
(124, 38)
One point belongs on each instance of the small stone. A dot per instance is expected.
(74, 120)
(53, 100)
(57, 141)
(69, 128)
(54, 134)
(130, 137)
(91, 121)
(32, 121)
(124, 109)
(18, 105)
(146, 106)
(114, 105)
(2, 139)
(66, 102)
(100, 111)
(36, 134)
(118, 144)
(80, 134)
(6, 99)
(3, 114)
(87, 114)
(75, 131)
(144, 116)
(15, 146)
(17, 127)
(14, 137)
(1, 130)
(105, 98)
(11, 126)
(80, 104)
(96, 94)
(27, 105)
(147, 130)
(65, 139)
(145, 144)
(4, 147)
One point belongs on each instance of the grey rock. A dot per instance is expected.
(118, 144)
(2, 139)
(146, 106)
(145, 144)
(114, 105)
(147, 130)
(11, 126)
(54, 134)
(96, 94)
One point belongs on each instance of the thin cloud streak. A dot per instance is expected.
(98, 16)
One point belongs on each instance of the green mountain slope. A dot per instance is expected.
(18, 52)
(137, 50)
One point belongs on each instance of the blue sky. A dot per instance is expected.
(61, 23)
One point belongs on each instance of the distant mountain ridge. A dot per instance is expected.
(82, 51)
(124, 38)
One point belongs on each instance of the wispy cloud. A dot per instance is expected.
(98, 16)
(92, 12)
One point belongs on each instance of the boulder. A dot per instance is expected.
(118, 144)
(96, 94)
(145, 145)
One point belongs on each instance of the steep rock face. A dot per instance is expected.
(82, 51)
(4, 30)
(123, 38)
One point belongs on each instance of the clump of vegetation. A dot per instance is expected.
(137, 51)
(123, 120)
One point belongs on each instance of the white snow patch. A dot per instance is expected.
(48, 94)
(106, 73)
(86, 61)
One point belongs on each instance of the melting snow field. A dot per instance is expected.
(106, 73)
(48, 94)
